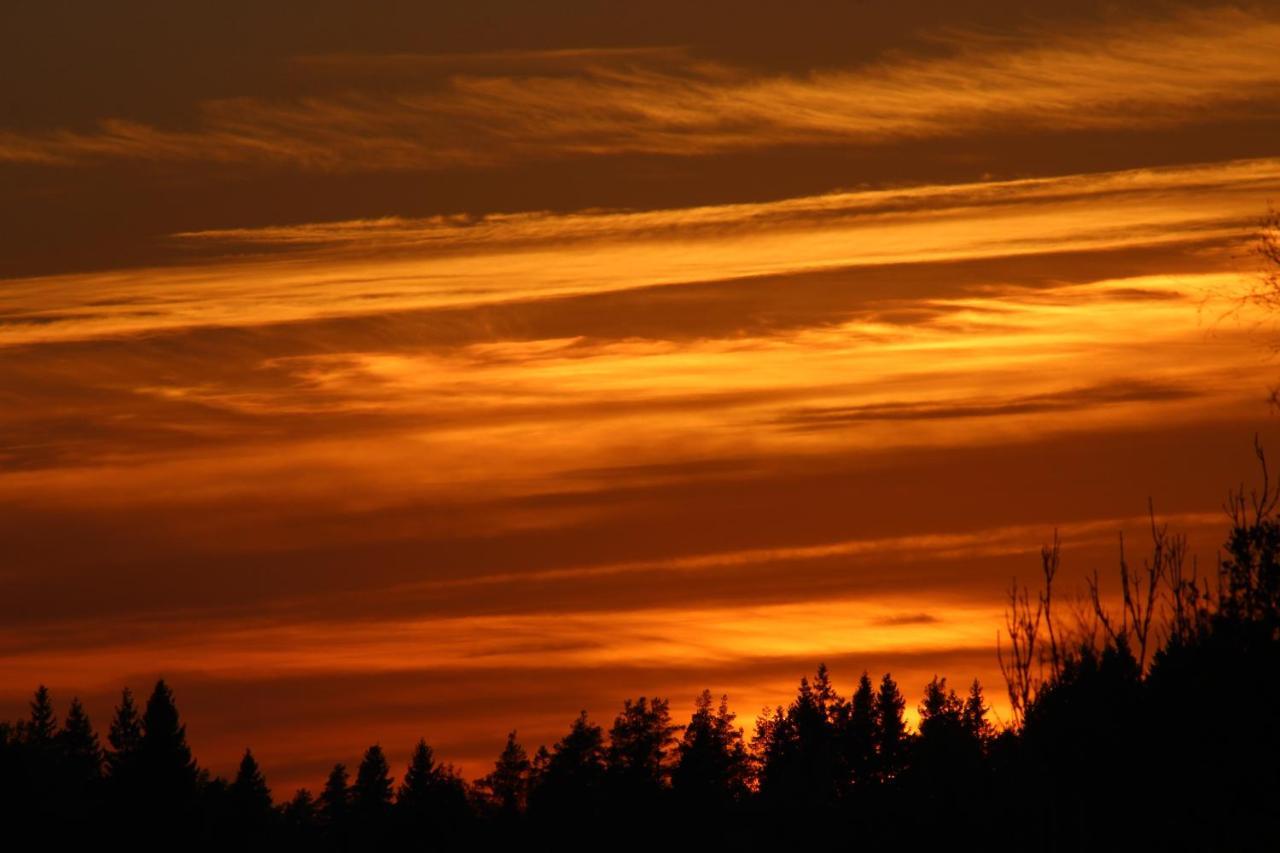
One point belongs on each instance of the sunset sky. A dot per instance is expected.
(440, 369)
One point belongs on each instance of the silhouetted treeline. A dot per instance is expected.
(1154, 725)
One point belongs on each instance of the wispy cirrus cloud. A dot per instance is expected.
(1111, 393)
(655, 102)
(467, 232)
(366, 268)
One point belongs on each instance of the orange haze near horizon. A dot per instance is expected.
(418, 373)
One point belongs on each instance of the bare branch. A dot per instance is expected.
(1022, 622)
(1099, 611)
(1050, 559)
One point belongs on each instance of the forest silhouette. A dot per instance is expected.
(1153, 723)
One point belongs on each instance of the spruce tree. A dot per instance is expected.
(299, 813)
(42, 726)
(538, 767)
(125, 738)
(250, 795)
(943, 745)
(891, 729)
(824, 694)
(798, 750)
(570, 784)
(165, 759)
(300, 820)
(432, 796)
(860, 734)
(508, 784)
(41, 774)
(941, 710)
(419, 778)
(371, 793)
(335, 799)
(815, 774)
(79, 745)
(974, 715)
(711, 769)
(640, 743)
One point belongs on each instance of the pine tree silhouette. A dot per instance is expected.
(371, 801)
(974, 714)
(301, 812)
(371, 793)
(250, 795)
(79, 746)
(42, 725)
(568, 783)
(41, 762)
(641, 743)
(418, 777)
(335, 799)
(125, 738)
(1108, 754)
(799, 750)
(860, 735)
(432, 798)
(891, 729)
(163, 751)
(300, 821)
(824, 693)
(507, 785)
(712, 767)
(125, 796)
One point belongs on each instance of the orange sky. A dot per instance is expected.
(426, 373)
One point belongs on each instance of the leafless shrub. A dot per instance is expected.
(1258, 505)
(1023, 664)
(1249, 579)
(1023, 625)
(1140, 590)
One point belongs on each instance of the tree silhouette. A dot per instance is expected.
(371, 800)
(125, 738)
(825, 697)
(1158, 727)
(41, 786)
(80, 748)
(641, 742)
(432, 798)
(799, 750)
(42, 725)
(712, 769)
(124, 788)
(1020, 665)
(945, 766)
(371, 793)
(859, 735)
(164, 758)
(974, 714)
(891, 729)
(568, 782)
(1251, 568)
(250, 795)
(507, 786)
(416, 789)
(941, 710)
(300, 820)
(335, 799)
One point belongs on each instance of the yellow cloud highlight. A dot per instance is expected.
(508, 259)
